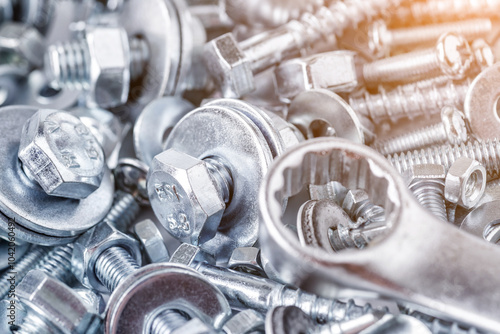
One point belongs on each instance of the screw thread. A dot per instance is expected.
(430, 194)
(113, 266)
(28, 262)
(487, 153)
(222, 177)
(168, 321)
(33, 324)
(410, 101)
(350, 326)
(438, 326)
(57, 263)
(431, 135)
(123, 211)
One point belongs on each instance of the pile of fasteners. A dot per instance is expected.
(243, 167)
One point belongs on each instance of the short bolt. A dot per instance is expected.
(452, 56)
(451, 129)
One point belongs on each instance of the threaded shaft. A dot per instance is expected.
(28, 262)
(430, 194)
(410, 101)
(350, 326)
(113, 266)
(487, 153)
(222, 177)
(57, 263)
(438, 326)
(431, 135)
(32, 324)
(123, 211)
(168, 321)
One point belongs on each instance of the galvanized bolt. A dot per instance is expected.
(451, 129)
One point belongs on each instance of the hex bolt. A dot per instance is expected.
(382, 39)
(452, 56)
(426, 182)
(234, 64)
(451, 129)
(410, 101)
(485, 152)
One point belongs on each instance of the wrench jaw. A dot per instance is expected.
(433, 269)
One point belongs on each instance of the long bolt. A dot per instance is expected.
(410, 101)
(487, 153)
(382, 40)
(452, 56)
(451, 129)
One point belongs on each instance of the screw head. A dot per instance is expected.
(454, 125)
(454, 55)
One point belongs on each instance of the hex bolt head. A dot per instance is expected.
(151, 241)
(60, 154)
(465, 182)
(185, 197)
(454, 55)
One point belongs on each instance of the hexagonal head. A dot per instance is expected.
(229, 66)
(454, 125)
(247, 260)
(335, 71)
(151, 241)
(185, 197)
(22, 42)
(88, 248)
(56, 304)
(423, 173)
(465, 182)
(189, 255)
(60, 153)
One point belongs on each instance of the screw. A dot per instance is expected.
(168, 321)
(451, 56)
(439, 326)
(487, 153)
(114, 265)
(382, 40)
(234, 64)
(123, 211)
(410, 101)
(451, 129)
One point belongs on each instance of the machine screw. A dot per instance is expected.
(452, 56)
(234, 64)
(114, 265)
(487, 153)
(410, 101)
(451, 129)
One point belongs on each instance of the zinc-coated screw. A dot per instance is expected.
(451, 129)
(114, 265)
(410, 101)
(57, 263)
(487, 153)
(123, 211)
(439, 326)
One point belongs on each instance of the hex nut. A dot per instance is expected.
(335, 71)
(465, 182)
(89, 246)
(188, 255)
(60, 153)
(24, 43)
(229, 66)
(247, 260)
(425, 172)
(56, 304)
(185, 197)
(151, 241)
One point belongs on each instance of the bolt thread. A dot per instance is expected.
(113, 266)
(33, 324)
(487, 153)
(365, 212)
(431, 135)
(438, 326)
(350, 326)
(222, 177)
(57, 263)
(410, 101)
(123, 211)
(28, 262)
(430, 194)
(168, 321)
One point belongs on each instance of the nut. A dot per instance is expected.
(185, 197)
(465, 182)
(335, 71)
(188, 255)
(56, 304)
(426, 172)
(22, 42)
(60, 153)
(247, 260)
(229, 66)
(93, 300)
(151, 240)
(89, 246)
(454, 125)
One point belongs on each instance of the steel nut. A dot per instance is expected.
(89, 246)
(465, 182)
(246, 259)
(56, 304)
(151, 240)
(185, 197)
(60, 153)
(228, 66)
(109, 56)
(22, 42)
(335, 71)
